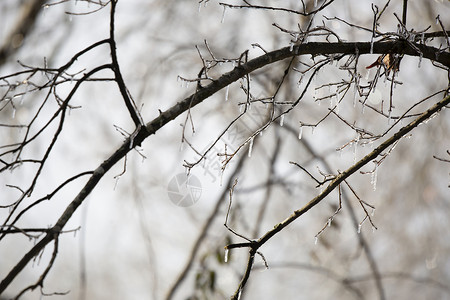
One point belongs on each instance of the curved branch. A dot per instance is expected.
(141, 133)
(118, 75)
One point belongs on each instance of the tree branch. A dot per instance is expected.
(141, 132)
(333, 184)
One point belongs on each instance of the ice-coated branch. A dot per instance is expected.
(240, 71)
(255, 245)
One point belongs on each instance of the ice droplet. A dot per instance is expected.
(300, 80)
(373, 179)
(337, 103)
(225, 258)
(420, 60)
(291, 46)
(250, 148)
(239, 294)
(223, 15)
(226, 92)
(281, 120)
(300, 132)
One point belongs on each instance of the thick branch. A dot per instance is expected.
(152, 127)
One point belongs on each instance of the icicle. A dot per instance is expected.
(331, 59)
(181, 146)
(366, 77)
(223, 15)
(250, 148)
(300, 80)
(312, 129)
(316, 239)
(199, 6)
(359, 228)
(373, 212)
(355, 152)
(329, 222)
(355, 91)
(226, 92)
(116, 183)
(420, 59)
(389, 117)
(291, 46)
(373, 179)
(300, 132)
(422, 38)
(13, 113)
(315, 3)
(371, 45)
(281, 120)
(337, 102)
(225, 258)
(239, 294)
